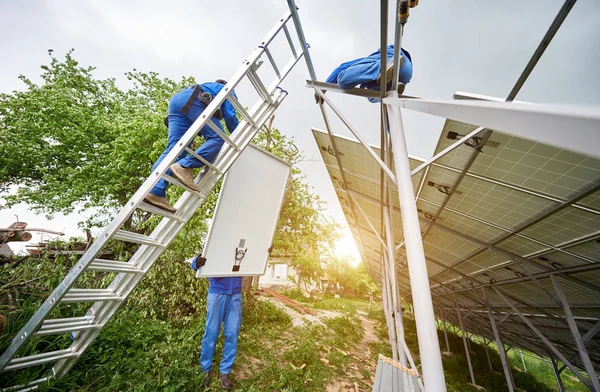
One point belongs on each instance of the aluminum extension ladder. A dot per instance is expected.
(107, 301)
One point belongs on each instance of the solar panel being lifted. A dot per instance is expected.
(503, 214)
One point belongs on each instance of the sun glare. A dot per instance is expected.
(346, 246)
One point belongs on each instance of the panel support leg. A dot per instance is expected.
(559, 383)
(583, 354)
(391, 259)
(503, 359)
(545, 340)
(385, 294)
(429, 347)
(523, 361)
(445, 332)
(487, 353)
(464, 337)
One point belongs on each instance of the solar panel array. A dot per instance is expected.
(500, 214)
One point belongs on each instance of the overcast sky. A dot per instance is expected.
(478, 46)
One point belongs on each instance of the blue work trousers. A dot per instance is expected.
(226, 310)
(179, 123)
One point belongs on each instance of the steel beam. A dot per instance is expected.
(487, 354)
(445, 332)
(583, 354)
(541, 123)
(545, 340)
(559, 382)
(505, 364)
(464, 338)
(446, 151)
(359, 92)
(429, 349)
(385, 293)
(393, 280)
(588, 335)
(358, 136)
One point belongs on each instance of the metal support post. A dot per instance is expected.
(503, 359)
(583, 354)
(487, 353)
(445, 332)
(522, 360)
(559, 383)
(464, 337)
(588, 335)
(385, 294)
(429, 348)
(389, 236)
(544, 339)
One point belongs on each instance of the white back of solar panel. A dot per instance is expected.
(246, 213)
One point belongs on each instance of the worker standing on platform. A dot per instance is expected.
(184, 108)
(366, 72)
(224, 307)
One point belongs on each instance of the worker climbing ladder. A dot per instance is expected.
(107, 301)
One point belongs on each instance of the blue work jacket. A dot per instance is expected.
(229, 113)
(225, 285)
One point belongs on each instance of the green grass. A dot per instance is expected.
(329, 302)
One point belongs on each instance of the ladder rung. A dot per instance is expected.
(71, 324)
(112, 266)
(241, 110)
(39, 359)
(259, 86)
(206, 163)
(272, 61)
(159, 211)
(90, 295)
(180, 184)
(136, 238)
(222, 135)
(289, 38)
(30, 386)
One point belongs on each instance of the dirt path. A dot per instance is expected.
(360, 356)
(361, 361)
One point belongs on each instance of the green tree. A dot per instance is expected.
(302, 233)
(75, 141)
(353, 280)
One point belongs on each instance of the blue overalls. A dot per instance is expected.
(364, 71)
(179, 123)
(224, 308)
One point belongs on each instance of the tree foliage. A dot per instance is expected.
(352, 280)
(302, 233)
(75, 140)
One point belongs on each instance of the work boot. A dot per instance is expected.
(225, 382)
(160, 202)
(207, 380)
(185, 175)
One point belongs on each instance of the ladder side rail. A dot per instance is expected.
(54, 298)
(105, 310)
(286, 70)
(257, 111)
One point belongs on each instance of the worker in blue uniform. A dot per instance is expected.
(184, 108)
(224, 308)
(366, 72)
